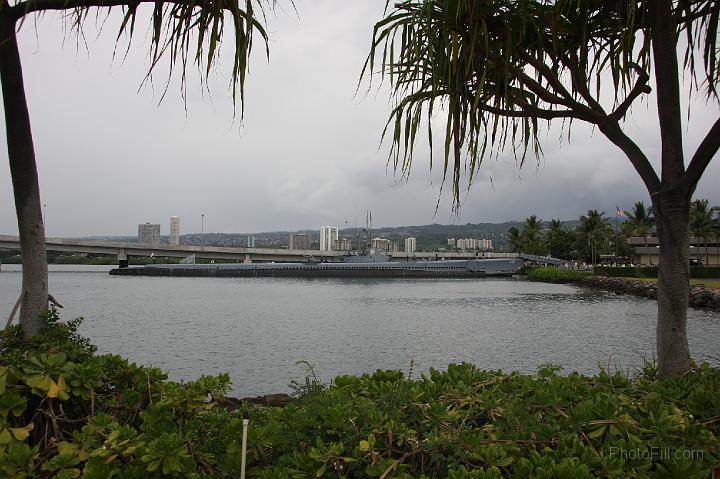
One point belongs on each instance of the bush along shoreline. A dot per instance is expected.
(67, 412)
(700, 296)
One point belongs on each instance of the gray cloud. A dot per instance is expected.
(306, 153)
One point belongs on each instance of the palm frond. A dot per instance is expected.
(496, 68)
(183, 32)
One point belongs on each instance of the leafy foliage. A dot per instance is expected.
(182, 32)
(641, 221)
(464, 422)
(66, 412)
(557, 275)
(559, 241)
(652, 271)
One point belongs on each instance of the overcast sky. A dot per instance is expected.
(306, 154)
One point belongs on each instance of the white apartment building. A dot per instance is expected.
(174, 231)
(299, 241)
(149, 233)
(328, 236)
(410, 245)
(342, 244)
(380, 244)
(473, 244)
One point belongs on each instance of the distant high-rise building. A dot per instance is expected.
(149, 233)
(394, 247)
(472, 244)
(250, 241)
(328, 235)
(380, 244)
(299, 241)
(410, 245)
(451, 242)
(342, 244)
(174, 231)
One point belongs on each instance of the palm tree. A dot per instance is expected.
(495, 70)
(595, 227)
(559, 240)
(184, 31)
(514, 240)
(531, 234)
(641, 222)
(701, 223)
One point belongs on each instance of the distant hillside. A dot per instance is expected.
(429, 237)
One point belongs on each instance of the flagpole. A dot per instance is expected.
(616, 238)
(618, 214)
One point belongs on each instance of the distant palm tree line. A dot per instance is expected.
(596, 235)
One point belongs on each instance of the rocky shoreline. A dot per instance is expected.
(701, 296)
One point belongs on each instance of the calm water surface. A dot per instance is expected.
(256, 329)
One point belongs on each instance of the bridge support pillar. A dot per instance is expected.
(122, 259)
(247, 259)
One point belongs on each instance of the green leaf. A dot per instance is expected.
(21, 433)
(40, 381)
(596, 433)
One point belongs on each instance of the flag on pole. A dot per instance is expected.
(619, 211)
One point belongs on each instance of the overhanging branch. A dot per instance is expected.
(549, 76)
(702, 157)
(32, 6)
(530, 111)
(611, 129)
(567, 100)
(580, 84)
(640, 87)
(542, 92)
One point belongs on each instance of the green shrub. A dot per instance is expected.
(710, 272)
(66, 412)
(627, 272)
(557, 275)
(652, 271)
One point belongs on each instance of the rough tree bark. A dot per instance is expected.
(673, 282)
(671, 200)
(26, 188)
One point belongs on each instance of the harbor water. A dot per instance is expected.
(258, 329)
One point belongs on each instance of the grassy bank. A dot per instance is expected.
(66, 412)
(557, 275)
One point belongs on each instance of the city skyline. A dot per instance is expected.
(305, 153)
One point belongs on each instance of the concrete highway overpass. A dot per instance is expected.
(246, 255)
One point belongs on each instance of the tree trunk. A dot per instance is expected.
(25, 182)
(673, 283)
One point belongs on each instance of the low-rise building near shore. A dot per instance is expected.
(646, 251)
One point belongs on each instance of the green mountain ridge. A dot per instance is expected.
(429, 237)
